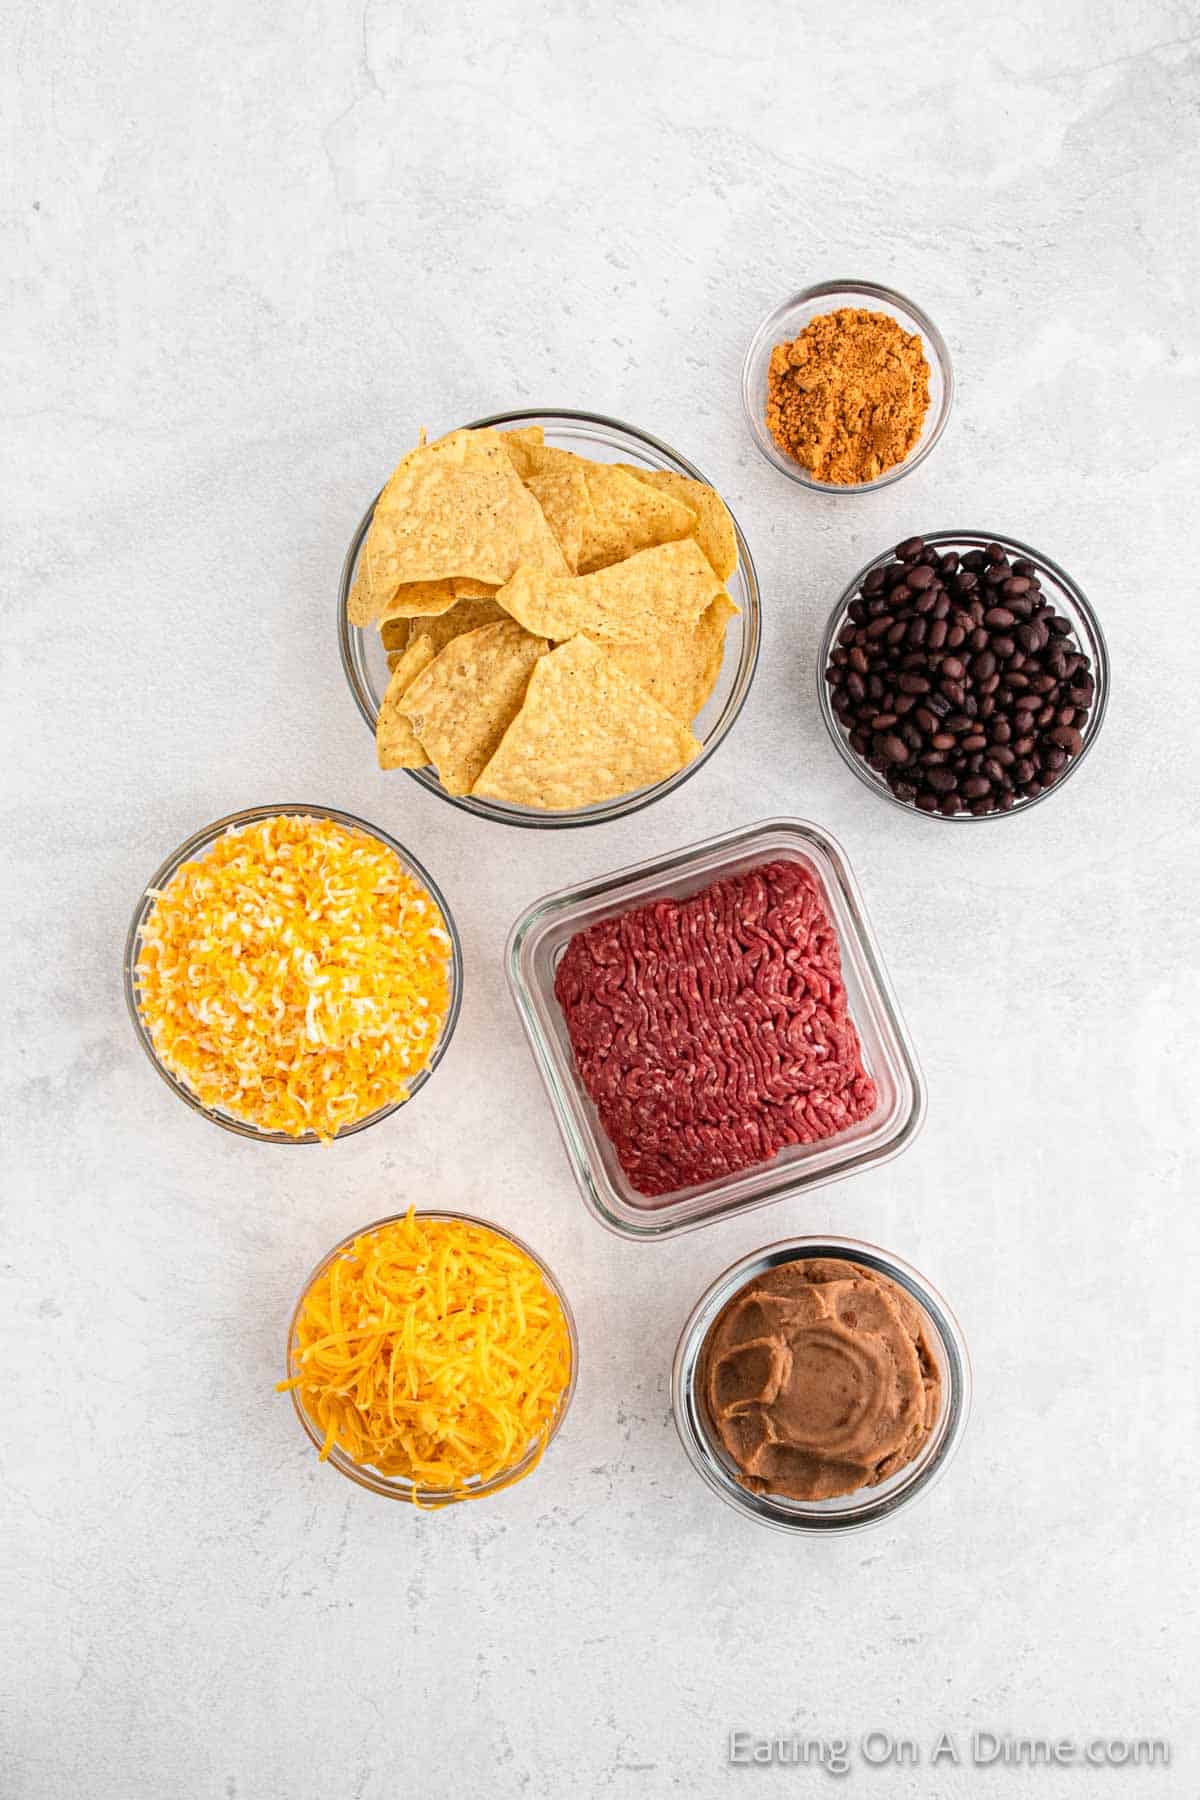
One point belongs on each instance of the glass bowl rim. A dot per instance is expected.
(847, 1516)
(759, 838)
(1093, 630)
(622, 805)
(390, 1486)
(203, 839)
(871, 290)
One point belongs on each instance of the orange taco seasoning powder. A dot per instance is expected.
(295, 976)
(431, 1349)
(847, 398)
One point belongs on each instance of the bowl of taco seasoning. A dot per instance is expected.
(847, 386)
(293, 974)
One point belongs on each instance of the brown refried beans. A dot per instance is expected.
(818, 1379)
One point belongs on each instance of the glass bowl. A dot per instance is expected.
(394, 1487)
(195, 846)
(866, 1506)
(602, 440)
(789, 320)
(1063, 594)
(537, 943)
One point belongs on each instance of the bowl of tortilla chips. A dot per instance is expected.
(548, 618)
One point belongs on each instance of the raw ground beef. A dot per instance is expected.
(711, 1032)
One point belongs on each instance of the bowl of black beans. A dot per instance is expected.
(963, 676)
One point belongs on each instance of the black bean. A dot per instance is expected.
(956, 679)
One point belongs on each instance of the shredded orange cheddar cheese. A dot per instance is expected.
(433, 1350)
(295, 976)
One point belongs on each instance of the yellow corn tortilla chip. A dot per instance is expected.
(519, 442)
(655, 591)
(628, 516)
(427, 599)
(714, 529)
(625, 516)
(396, 743)
(396, 634)
(562, 494)
(679, 669)
(456, 508)
(467, 615)
(466, 698)
(367, 600)
(584, 733)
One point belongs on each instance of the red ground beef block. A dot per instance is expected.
(712, 1032)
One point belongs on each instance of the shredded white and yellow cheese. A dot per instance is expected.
(295, 976)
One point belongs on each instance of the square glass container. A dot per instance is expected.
(540, 937)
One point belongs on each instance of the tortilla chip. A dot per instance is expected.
(714, 530)
(412, 598)
(456, 508)
(428, 599)
(396, 634)
(462, 704)
(364, 602)
(518, 444)
(628, 516)
(656, 591)
(396, 743)
(679, 669)
(562, 494)
(585, 733)
(467, 615)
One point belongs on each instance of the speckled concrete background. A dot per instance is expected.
(248, 251)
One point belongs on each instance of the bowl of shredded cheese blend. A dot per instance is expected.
(293, 974)
(432, 1358)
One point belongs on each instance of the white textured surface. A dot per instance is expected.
(251, 250)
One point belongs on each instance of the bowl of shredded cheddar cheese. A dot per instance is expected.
(431, 1358)
(293, 974)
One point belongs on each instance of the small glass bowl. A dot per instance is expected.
(195, 846)
(866, 1506)
(789, 320)
(394, 1487)
(1063, 594)
(536, 945)
(601, 440)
